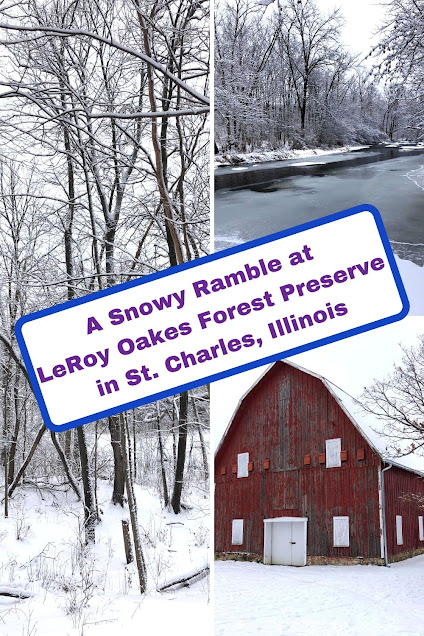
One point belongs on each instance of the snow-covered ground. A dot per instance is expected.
(413, 279)
(228, 159)
(251, 598)
(93, 593)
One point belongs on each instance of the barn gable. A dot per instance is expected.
(275, 461)
(366, 424)
(284, 394)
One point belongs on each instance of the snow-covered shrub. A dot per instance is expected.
(22, 525)
(201, 536)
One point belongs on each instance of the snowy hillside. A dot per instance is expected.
(77, 590)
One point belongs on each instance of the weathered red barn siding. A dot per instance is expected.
(399, 483)
(288, 415)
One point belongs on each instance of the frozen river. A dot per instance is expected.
(394, 186)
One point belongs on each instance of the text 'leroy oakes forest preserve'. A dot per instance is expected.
(206, 321)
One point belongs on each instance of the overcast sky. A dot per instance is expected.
(351, 364)
(362, 18)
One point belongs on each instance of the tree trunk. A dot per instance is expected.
(68, 445)
(182, 444)
(132, 505)
(202, 441)
(68, 472)
(6, 481)
(162, 465)
(90, 516)
(174, 244)
(22, 469)
(14, 440)
(127, 541)
(134, 436)
(303, 105)
(119, 478)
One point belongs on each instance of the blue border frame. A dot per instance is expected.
(224, 374)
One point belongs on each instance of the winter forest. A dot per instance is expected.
(105, 163)
(285, 79)
(104, 177)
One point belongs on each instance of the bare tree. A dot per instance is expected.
(103, 162)
(398, 400)
(400, 62)
(283, 77)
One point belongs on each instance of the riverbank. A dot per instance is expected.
(263, 176)
(235, 158)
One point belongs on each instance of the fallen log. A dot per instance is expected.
(185, 580)
(15, 592)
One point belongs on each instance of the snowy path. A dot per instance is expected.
(251, 598)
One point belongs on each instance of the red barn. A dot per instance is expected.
(302, 477)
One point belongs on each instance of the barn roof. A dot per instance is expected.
(367, 424)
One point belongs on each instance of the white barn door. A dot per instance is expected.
(281, 543)
(285, 541)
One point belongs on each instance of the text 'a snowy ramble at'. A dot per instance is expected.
(205, 320)
(151, 338)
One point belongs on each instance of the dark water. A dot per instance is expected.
(395, 187)
(250, 175)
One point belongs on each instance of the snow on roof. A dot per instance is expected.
(372, 430)
(239, 403)
(368, 425)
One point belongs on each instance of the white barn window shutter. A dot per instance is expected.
(243, 465)
(420, 529)
(341, 532)
(333, 448)
(237, 533)
(399, 535)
